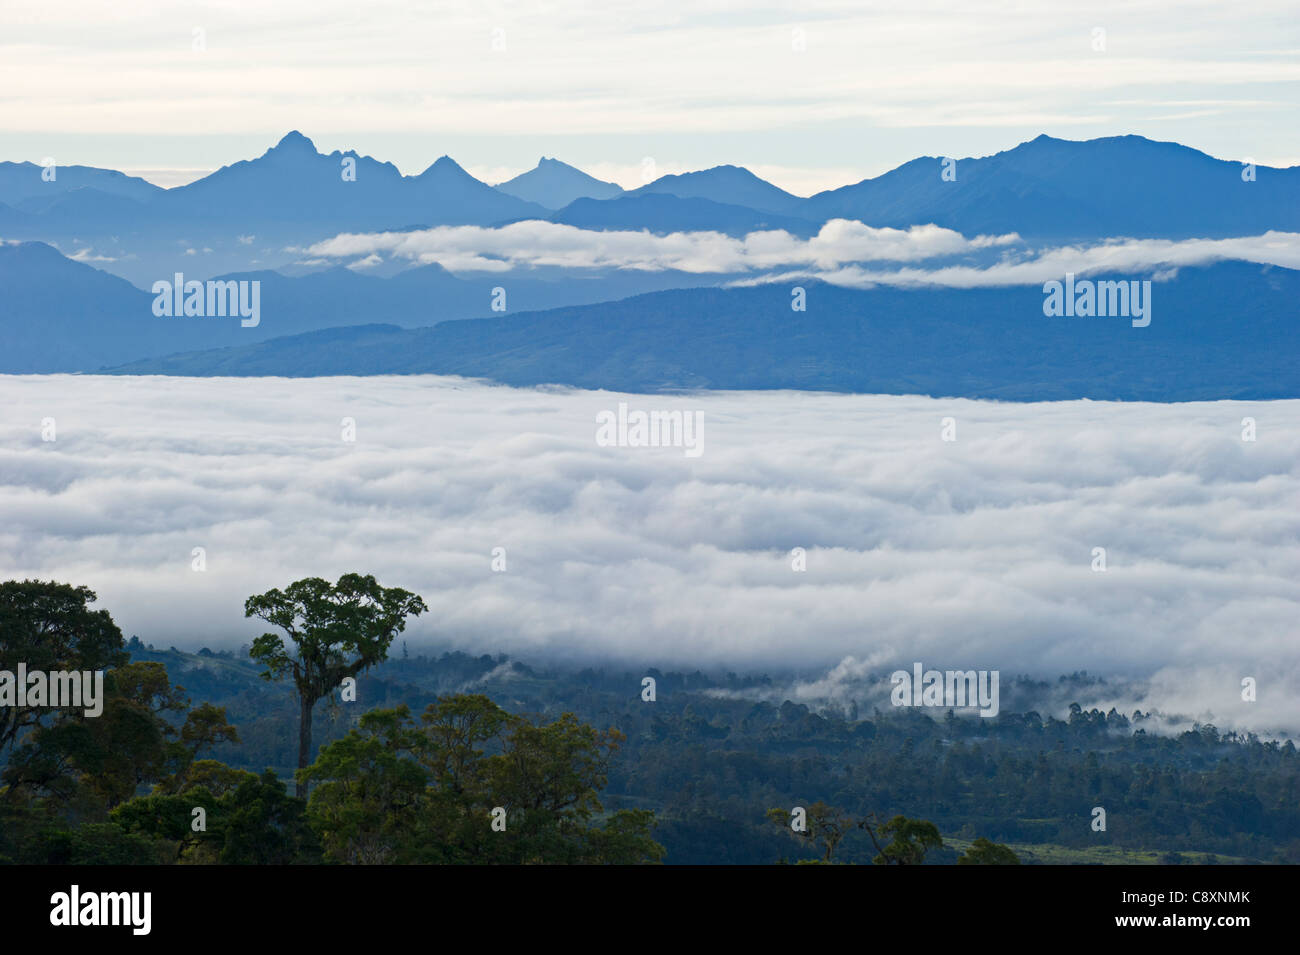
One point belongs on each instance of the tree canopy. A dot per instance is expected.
(336, 631)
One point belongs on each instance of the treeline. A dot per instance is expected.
(710, 760)
(466, 782)
(694, 773)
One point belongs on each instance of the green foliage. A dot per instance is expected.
(264, 825)
(825, 827)
(102, 761)
(694, 772)
(910, 839)
(250, 821)
(50, 626)
(101, 843)
(984, 852)
(337, 631)
(369, 791)
(397, 791)
(710, 763)
(205, 727)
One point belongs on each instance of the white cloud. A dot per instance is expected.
(833, 255)
(1022, 267)
(972, 554)
(540, 243)
(88, 254)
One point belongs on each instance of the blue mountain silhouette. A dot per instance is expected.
(59, 315)
(731, 185)
(664, 213)
(1100, 188)
(1222, 331)
(554, 184)
(294, 184)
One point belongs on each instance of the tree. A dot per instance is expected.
(625, 839)
(101, 762)
(546, 778)
(394, 791)
(338, 631)
(250, 820)
(263, 825)
(366, 806)
(205, 726)
(912, 838)
(49, 626)
(984, 852)
(100, 843)
(456, 734)
(825, 827)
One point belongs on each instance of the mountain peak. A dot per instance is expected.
(445, 164)
(547, 162)
(554, 184)
(294, 141)
(728, 184)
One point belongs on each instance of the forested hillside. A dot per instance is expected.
(412, 768)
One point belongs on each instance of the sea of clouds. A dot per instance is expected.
(973, 554)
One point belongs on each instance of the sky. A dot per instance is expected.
(810, 95)
(976, 553)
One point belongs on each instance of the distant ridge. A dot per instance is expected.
(294, 183)
(269, 211)
(1098, 188)
(1222, 331)
(663, 213)
(60, 315)
(733, 185)
(554, 185)
(20, 181)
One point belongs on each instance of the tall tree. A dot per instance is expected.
(337, 631)
(912, 839)
(825, 827)
(50, 626)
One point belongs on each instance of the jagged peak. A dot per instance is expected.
(294, 140)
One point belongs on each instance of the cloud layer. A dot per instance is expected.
(836, 254)
(975, 553)
(1114, 256)
(538, 243)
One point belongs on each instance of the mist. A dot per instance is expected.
(978, 552)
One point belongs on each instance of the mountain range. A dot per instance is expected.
(1101, 188)
(79, 250)
(258, 213)
(1222, 331)
(58, 315)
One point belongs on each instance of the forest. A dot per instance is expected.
(327, 742)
